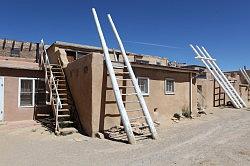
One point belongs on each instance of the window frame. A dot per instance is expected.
(165, 86)
(33, 91)
(144, 94)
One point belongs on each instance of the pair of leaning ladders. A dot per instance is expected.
(219, 76)
(246, 76)
(114, 80)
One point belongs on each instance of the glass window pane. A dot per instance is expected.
(26, 93)
(169, 86)
(26, 99)
(26, 86)
(143, 84)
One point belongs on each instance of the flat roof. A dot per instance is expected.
(19, 65)
(99, 49)
(168, 68)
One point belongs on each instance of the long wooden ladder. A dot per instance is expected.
(219, 76)
(245, 75)
(126, 120)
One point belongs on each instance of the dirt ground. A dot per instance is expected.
(222, 137)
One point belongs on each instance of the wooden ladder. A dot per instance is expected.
(127, 75)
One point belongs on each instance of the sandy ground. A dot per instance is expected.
(222, 137)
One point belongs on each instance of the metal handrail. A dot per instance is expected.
(52, 81)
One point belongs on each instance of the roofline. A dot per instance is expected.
(61, 43)
(168, 68)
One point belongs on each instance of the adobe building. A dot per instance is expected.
(210, 94)
(21, 80)
(166, 89)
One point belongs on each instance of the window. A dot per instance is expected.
(15, 52)
(31, 92)
(144, 85)
(26, 92)
(142, 61)
(169, 86)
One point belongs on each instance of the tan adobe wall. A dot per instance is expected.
(208, 88)
(79, 78)
(151, 59)
(207, 91)
(94, 97)
(11, 85)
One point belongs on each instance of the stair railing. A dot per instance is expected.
(52, 83)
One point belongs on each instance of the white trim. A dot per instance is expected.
(3, 99)
(165, 88)
(33, 91)
(144, 94)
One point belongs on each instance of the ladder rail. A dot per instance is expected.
(244, 73)
(215, 76)
(121, 107)
(224, 77)
(220, 76)
(134, 81)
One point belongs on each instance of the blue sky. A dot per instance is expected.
(223, 26)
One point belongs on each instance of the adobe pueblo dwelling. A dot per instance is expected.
(67, 87)
(22, 80)
(166, 89)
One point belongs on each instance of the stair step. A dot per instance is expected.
(55, 68)
(63, 116)
(60, 94)
(66, 122)
(59, 76)
(43, 115)
(136, 118)
(63, 110)
(134, 110)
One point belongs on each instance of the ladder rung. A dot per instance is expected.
(139, 117)
(119, 67)
(129, 94)
(139, 109)
(126, 86)
(122, 72)
(131, 102)
(124, 79)
(114, 62)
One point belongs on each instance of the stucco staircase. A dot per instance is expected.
(65, 120)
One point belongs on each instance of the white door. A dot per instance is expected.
(1, 98)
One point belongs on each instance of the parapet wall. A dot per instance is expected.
(12, 48)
